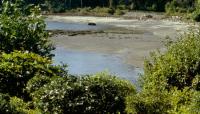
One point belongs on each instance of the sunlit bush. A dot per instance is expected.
(23, 28)
(164, 102)
(100, 93)
(178, 67)
(171, 79)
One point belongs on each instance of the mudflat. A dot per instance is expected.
(132, 39)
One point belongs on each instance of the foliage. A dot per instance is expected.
(170, 84)
(23, 28)
(180, 6)
(56, 6)
(98, 11)
(118, 12)
(196, 13)
(177, 67)
(5, 107)
(100, 93)
(17, 68)
(36, 83)
(14, 105)
(163, 102)
(107, 93)
(194, 107)
(171, 79)
(23, 107)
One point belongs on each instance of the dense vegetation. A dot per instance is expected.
(171, 82)
(153, 5)
(188, 9)
(31, 84)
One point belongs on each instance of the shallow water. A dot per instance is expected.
(83, 62)
(89, 63)
(72, 26)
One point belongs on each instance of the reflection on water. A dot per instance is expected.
(89, 63)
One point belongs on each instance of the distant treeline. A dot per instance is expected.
(150, 5)
(190, 7)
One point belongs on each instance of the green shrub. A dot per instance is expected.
(171, 79)
(194, 107)
(196, 13)
(108, 93)
(177, 67)
(100, 93)
(148, 102)
(84, 11)
(23, 107)
(23, 28)
(162, 102)
(196, 16)
(104, 11)
(36, 83)
(181, 101)
(14, 105)
(118, 12)
(177, 6)
(121, 7)
(17, 68)
(5, 107)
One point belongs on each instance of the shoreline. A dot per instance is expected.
(139, 15)
(132, 46)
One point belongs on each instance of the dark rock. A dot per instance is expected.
(92, 24)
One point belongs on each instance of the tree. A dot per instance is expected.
(23, 28)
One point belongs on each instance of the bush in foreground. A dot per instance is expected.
(23, 28)
(171, 79)
(14, 105)
(101, 93)
(17, 68)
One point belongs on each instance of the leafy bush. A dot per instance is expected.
(104, 11)
(5, 107)
(171, 79)
(100, 93)
(194, 107)
(22, 107)
(122, 7)
(180, 6)
(107, 93)
(9, 105)
(36, 83)
(196, 13)
(118, 12)
(177, 67)
(162, 102)
(23, 28)
(17, 68)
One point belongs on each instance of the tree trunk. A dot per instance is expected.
(81, 3)
(110, 3)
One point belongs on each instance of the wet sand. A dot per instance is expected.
(131, 40)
